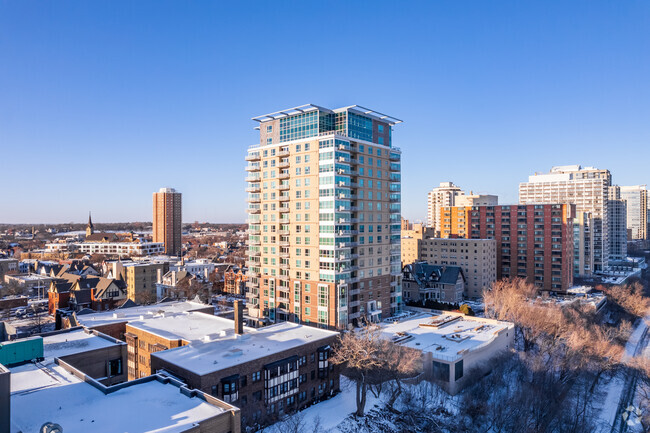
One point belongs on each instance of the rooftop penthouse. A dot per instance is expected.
(452, 343)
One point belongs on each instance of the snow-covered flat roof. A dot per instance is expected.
(213, 344)
(134, 313)
(45, 392)
(80, 408)
(447, 336)
(28, 377)
(68, 343)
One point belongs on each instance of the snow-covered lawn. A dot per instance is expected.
(334, 411)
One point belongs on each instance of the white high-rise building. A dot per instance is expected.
(636, 198)
(442, 196)
(588, 189)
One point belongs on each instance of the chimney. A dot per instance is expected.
(239, 317)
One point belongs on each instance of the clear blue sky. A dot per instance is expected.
(104, 102)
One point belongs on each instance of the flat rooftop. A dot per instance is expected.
(43, 392)
(135, 313)
(447, 336)
(213, 344)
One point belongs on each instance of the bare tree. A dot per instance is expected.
(370, 360)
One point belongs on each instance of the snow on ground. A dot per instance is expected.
(615, 386)
(335, 410)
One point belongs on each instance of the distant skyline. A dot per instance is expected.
(103, 103)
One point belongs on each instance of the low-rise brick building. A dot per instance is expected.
(266, 372)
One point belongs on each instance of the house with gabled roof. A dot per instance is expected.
(422, 281)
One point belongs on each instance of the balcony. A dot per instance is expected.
(284, 244)
(253, 199)
(253, 231)
(395, 156)
(253, 177)
(254, 253)
(253, 167)
(283, 153)
(283, 232)
(254, 188)
(254, 210)
(283, 197)
(284, 164)
(253, 156)
(283, 175)
(283, 186)
(283, 209)
(284, 266)
(253, 242)
(394, 167)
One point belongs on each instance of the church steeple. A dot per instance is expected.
(90, 229)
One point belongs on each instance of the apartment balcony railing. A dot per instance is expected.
(284, 152)
(283, 175)
(253, 177)
(283, 197)
(254, 188)
(253, 167)
(283, 186)
(253, 156)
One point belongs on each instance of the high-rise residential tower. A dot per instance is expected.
(588, 189)
(439, 197)
(167, 219)
(636, 198)
(617, 225)
(324, 217)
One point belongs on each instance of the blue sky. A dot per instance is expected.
(104, 102)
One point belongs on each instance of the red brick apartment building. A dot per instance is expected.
(534, 241)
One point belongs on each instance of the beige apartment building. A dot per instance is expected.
(439, 197)
(411, 239)
(476, 257)
(167, 219)
(472, 199)
(140, 278)
(324, 217)
(588, 189)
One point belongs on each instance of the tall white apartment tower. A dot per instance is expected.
(324, 217)
(439, 197)
(636, 198)
(588, 189)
